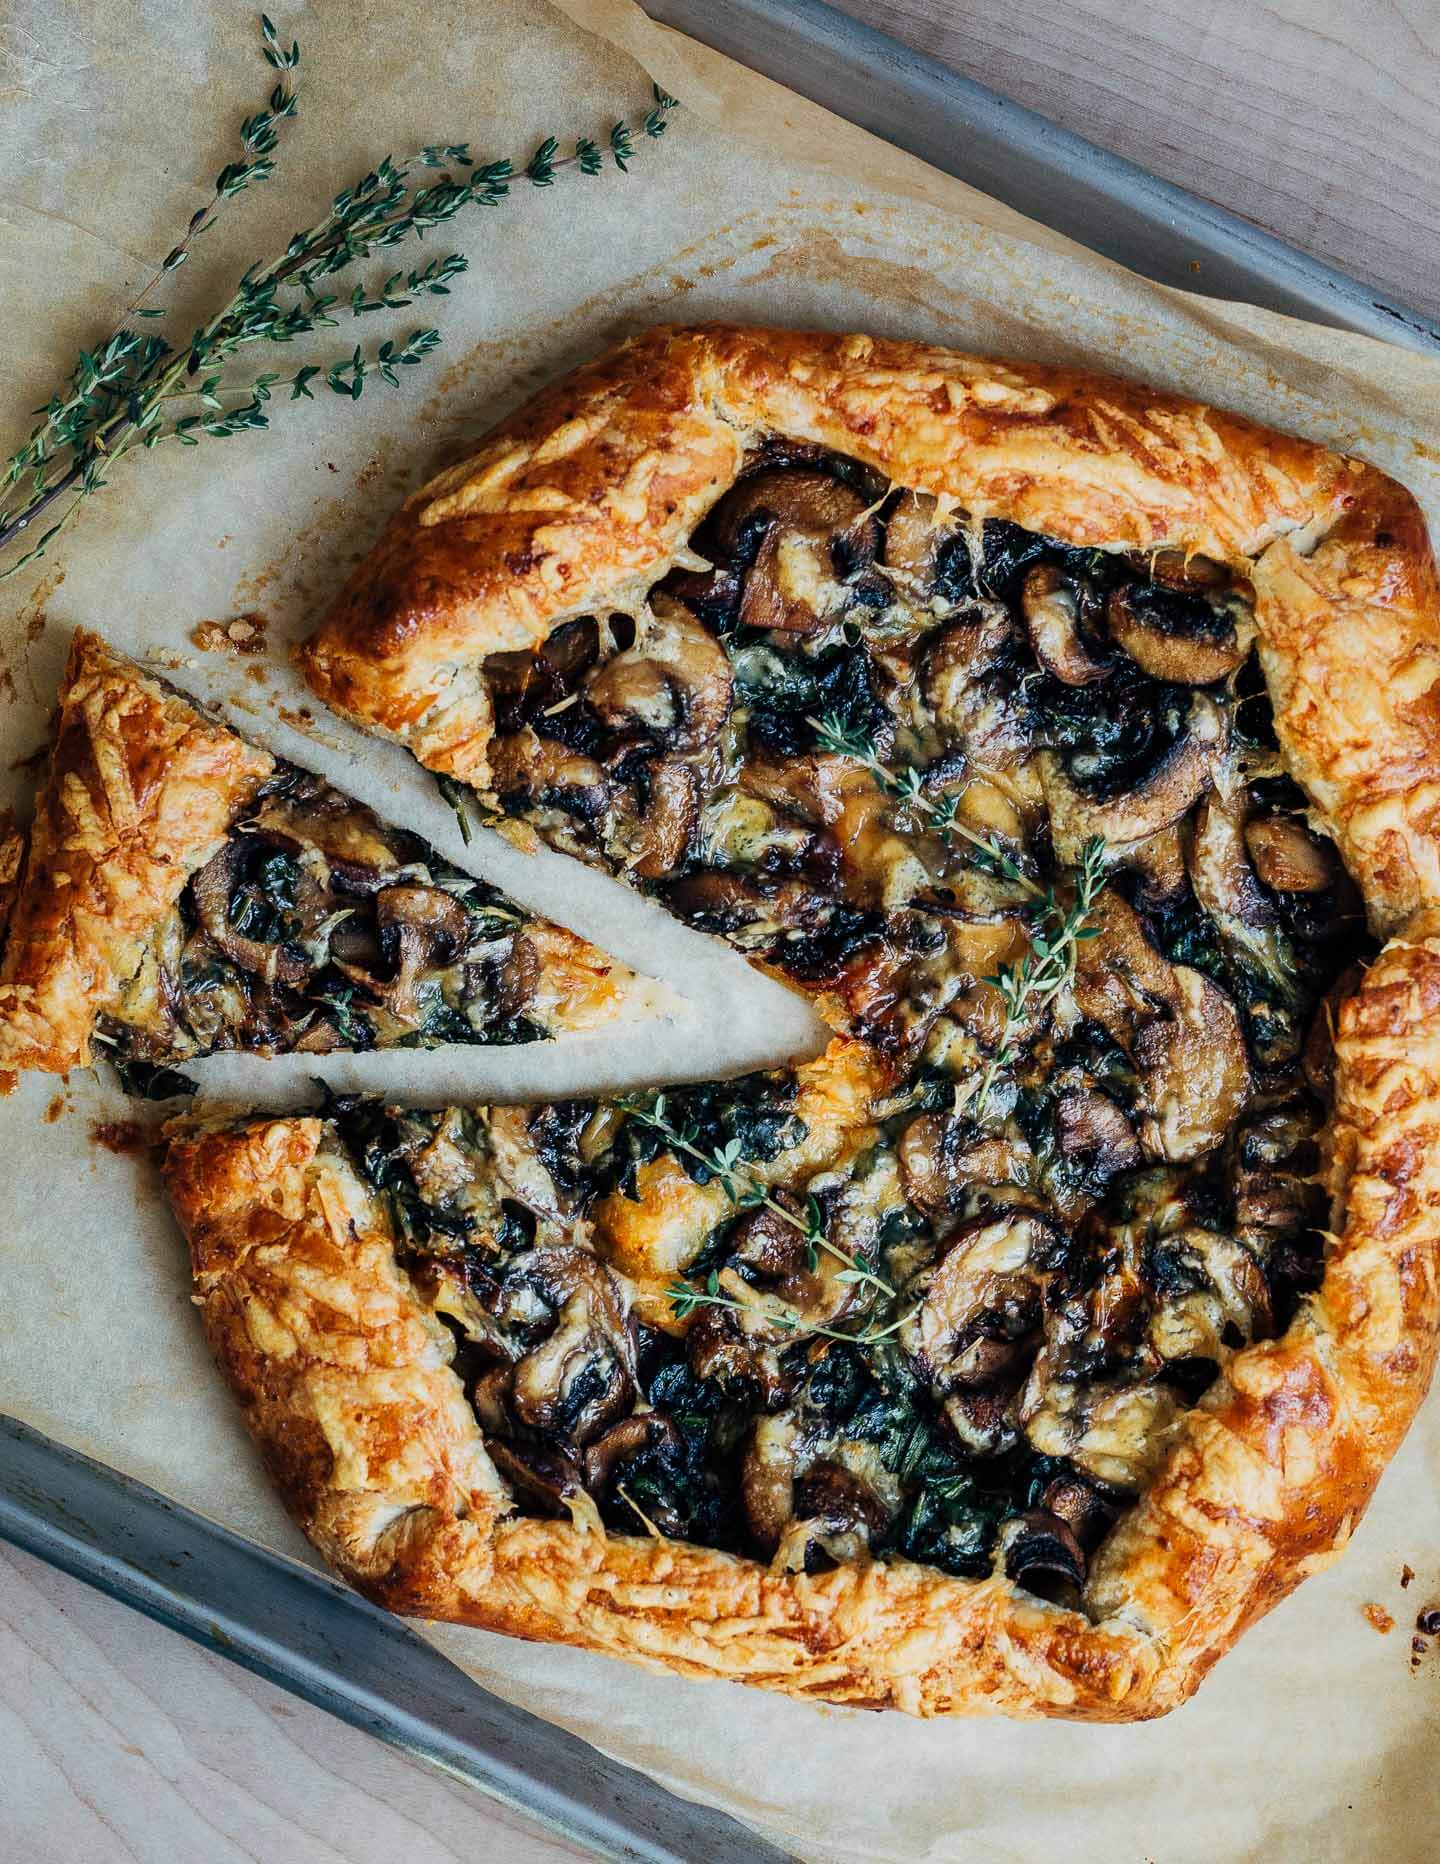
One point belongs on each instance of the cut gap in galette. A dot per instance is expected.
(187, 893)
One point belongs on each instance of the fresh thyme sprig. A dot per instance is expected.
(907, 786)
(1028, 989)
(686, 1299)
(121, 394)
(747, 1191)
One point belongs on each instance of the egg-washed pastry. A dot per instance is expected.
(1076, 748)
(185, 892)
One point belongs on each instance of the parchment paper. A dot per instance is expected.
(1314, 1740)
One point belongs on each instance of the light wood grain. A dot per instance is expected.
(122, 1743)
(1313, 118)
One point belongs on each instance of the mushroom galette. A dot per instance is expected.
(184, 892)
(1075, 747)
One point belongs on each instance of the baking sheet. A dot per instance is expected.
(1314, 1738)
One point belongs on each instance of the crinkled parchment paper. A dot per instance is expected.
(1314, 1740)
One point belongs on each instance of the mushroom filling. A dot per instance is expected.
(1019, 810)
(316, 926)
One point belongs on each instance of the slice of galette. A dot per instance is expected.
(186, 892)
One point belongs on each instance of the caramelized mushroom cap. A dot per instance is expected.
(1052, 620)
(212, 888)
(524, 764)
(938, 1165)
(1174, 782)
(914, 534)
(654, 831)
(1287, 857)
(1195, 1069)
(674, 684)
(977, 1307)
(1174, 638)
(817, 531)
(1043, 1555)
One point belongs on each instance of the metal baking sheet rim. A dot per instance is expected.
(1047, 173)
(338, 1652)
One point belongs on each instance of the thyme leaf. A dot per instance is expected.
(121, 394)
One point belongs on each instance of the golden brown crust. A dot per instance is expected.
(345, 1384)
(583, 498)
(140, 792)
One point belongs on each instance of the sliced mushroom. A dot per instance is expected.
(1087, 1513)
(1195, 1070)
(548, 1480)
(1120, 978)
(1178, 638)
(978, 1306)
(1052, 619)
(523, 764)
(1287, 857)
(814, 533)
(418, 928)
(780, 1256)
(1159, 863)
(767, 1478)
(212, 889)
(1188, 571)
(674, 684)
(1275, 1172)
(972, 697)
(642, 1431)
(1093, 1137)
(1043, 1555)
(836, 1516)
(717, 1349)
(1116, 1433)
(939, 1162)
(1225, 885)
(653, 821)
(915, 534)
(1172, 784)
(581, 1378)
(1229, 1306)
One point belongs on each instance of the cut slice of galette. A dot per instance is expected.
(185, 892)
(1076, 748)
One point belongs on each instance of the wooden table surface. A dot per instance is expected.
(123, 1742)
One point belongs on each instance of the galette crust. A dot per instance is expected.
(345, 1383)
(140, 792)
(582, 500)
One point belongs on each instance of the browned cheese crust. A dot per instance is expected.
(583, 498)
(582, 501)
(346, 1386)
(140, 792)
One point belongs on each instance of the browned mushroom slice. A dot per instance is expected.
(580, 1379)
(1120, 978)
(1177, 638)
(1160, 864)
(525, 765)
(1287, 857)
(767, 1478)
(1042, 1554)
(780, 1255)
(1188, 571)
(974, 707)
(938, 1166)
(1175, 782)
(547, 1480)
(1087, 1513)
(1095, 1142)
(717, 1349)
(817, 531)
(1275, 1171)
(212, 889)
(915, 535)
(674, 683)
(1195, 1070)
(1226, 886)
(419, 928)
(978, 1309)
(836, 1515)
(1052, 619)
(652, 830)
